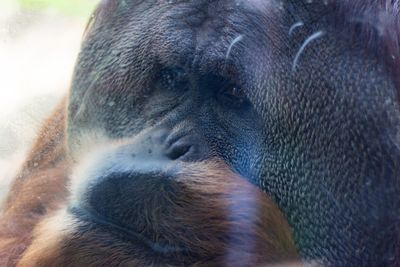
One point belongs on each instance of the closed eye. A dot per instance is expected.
(171, 78)
(232, 96)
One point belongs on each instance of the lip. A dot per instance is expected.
(135, 238)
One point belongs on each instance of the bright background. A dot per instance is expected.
(39, 43)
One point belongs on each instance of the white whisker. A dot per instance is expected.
(235, 41)
(313, 37)
(295, 26)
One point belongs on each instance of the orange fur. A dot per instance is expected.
(37, 190)
(213, 205)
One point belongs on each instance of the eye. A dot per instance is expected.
(233, 96)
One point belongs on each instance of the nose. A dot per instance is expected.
(161, 144)
(178, 150)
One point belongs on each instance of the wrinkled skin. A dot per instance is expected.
(315, 127)
(321, 138)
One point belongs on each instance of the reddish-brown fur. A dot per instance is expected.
(37, 190)
(214, 206)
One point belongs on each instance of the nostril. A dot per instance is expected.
(178, 150)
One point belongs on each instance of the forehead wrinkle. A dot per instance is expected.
(258, 5)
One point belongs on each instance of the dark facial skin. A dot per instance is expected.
(316, 127)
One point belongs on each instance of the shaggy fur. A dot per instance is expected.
(40, 188)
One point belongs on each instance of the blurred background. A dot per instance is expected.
(39, 43)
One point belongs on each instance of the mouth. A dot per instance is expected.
(159, 248)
